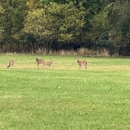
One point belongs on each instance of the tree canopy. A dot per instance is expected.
(56, 24)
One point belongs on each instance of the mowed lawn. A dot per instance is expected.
(63, 97)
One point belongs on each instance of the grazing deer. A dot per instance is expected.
(80, 63)
(48, 63)
(40, 61)
(11, 63)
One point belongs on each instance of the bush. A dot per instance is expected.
(86, 52)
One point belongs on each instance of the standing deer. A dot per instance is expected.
(80, 63)
(48, 63)
(11, 63)
(40, 61)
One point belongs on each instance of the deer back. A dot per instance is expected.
(49, 63)
(40, 61)
(84, 62)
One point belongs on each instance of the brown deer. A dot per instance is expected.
(40, 61)
(80, 63)
(48, 63)
(11, 63)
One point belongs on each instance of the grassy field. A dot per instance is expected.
(62, 97)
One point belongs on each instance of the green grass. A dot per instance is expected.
(62, 97)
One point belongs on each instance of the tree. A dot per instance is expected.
(1, 23)
(13, 17)
(55, 22)
(118, 18)
(40, 25)
(110, 28)
(99, 30)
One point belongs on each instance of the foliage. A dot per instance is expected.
(55, 24)
(119, 28)
(1, 19)
(12, 18)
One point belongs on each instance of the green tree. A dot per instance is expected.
(119, 29)
(13, 17)
(1, 23)
(55, 22)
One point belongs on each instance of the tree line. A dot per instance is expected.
(26, 25)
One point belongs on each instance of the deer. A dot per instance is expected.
(11, 63)
(40, 61)
(80, 63)
(48, 63)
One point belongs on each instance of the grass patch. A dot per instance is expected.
(62, 97)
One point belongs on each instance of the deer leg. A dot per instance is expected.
(37, 65)
(42, 65)
(79, 66)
